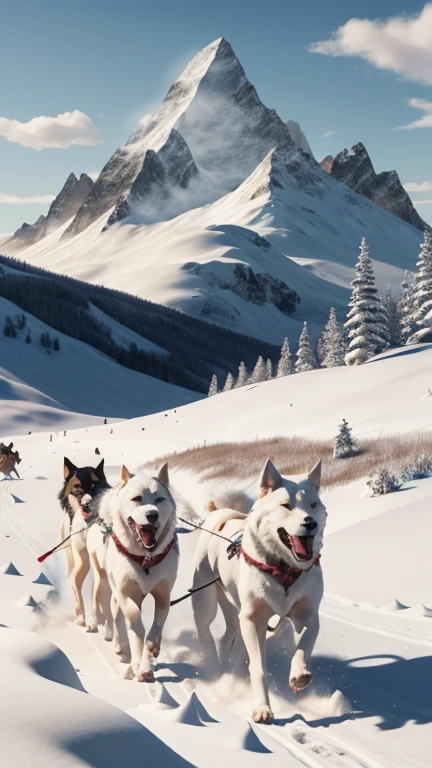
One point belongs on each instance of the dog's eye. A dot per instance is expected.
(313, 504)
(287, 505)
(159, 500)
(138, 499)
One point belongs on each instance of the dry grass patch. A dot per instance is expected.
(297, 455)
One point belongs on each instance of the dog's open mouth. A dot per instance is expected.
(144, 534)
(300, 546)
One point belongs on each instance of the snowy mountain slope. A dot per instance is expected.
(44, 390)
(124, 336)
(287, 200)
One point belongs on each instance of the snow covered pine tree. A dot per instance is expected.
(259, 372)
(331, 345)
(285, 364)
(344, 444)
(213, 388)
(366, 319)
(392, 316)
(269, 370)
(422, 295)
(405, 307)
(306, 360)
(242, 377)
(229, 383)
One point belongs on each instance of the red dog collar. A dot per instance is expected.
(286, 574)
(144, 562)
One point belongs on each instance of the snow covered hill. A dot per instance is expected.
(57, 390)
(369, 703)
(211, 160)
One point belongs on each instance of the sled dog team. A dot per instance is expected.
(259, 565)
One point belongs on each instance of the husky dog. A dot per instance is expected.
(275, 570)
(78, 482)
(134, 552)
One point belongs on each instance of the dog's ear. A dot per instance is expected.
(270, 479)
(125, 475)
(68, 467)
(314, 476)
(162, 474)
(100, 470)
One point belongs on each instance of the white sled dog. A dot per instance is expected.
(134, 552)
(275, 571)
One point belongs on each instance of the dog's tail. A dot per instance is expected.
(235, 500)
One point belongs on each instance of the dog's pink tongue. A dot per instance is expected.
(148, 537)
(300, 546)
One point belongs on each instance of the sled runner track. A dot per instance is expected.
(32, 540)
(317, 751)
(394, 634)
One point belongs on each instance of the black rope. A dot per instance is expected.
(190, 592)
(200, 528)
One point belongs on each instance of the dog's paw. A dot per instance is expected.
(153, 647)
(146, 677)
(79, 621)
(92, 629)
(262, 714)
(129, 674)
(298, 684)
(123, 653)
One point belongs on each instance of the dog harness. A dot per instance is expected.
(144, 562)
(286, 574)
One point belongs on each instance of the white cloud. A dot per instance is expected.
(425, 121)
(93, 175)
(422, 202)
(401, 44)
(425, 186)
(12, 200)
(327, 134)
(58, 132)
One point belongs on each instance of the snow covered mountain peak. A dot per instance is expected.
(225, 132)
(354, 168)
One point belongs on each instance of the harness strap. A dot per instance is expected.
(144, 562)
(286, 574)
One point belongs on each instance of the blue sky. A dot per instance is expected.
(114, 62)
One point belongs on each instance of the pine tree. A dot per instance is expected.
(269, 370)
(259, 372)
(9, 328)
(284, 365)
(392, 325)
(405, 308)
(422, 295)
(306, 360)
(331, 344)
(366, 319)
(344, 444)
(28, 338)
(242, 377)
(229, 383)
(213, 389)
(56, 344)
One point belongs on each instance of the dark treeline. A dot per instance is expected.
(196, 347)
